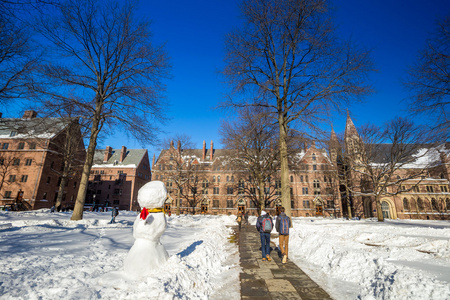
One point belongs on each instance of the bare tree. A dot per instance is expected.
(382, 160)
(252, 141)
(104, 65)
(287, 58)
(7, 168)
(18, 57)
(429, 79)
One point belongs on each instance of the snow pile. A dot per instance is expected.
(371, 260)
(47, 256)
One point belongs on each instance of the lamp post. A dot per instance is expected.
(93, 204)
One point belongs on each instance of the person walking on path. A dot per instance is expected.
(114, 214)
(239, 220)
(264, 225)
(282, 226)
(246, 217)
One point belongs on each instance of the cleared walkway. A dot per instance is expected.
(271, 280)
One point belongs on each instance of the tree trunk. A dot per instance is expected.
(64, 180)
(81, 196)
(178, 202)
(349, 204)
(285, 191)
(262, 202)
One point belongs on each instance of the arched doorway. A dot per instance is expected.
(241, 206)
(368, 211)
(385, 209)
(318, 203)
(204, 206)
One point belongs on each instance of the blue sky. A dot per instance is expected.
(194, 31)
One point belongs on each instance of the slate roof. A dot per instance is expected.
(132, 158)
(17, 128)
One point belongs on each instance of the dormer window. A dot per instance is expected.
(13, 133)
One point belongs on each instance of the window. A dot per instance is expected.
(16, 162)
(229, 203)
(444, 189)
(314, 167)
(32, 146)
(8, 194)
(313, 156)
(420, 204)
(316, 184)
(205, 192)
(301, 178)
(447, 203)
(278, 184)
(253, 191)
(48, 180)
(228, 178)
(267, 191)
(218, 179)
(5, 146)
(232, 178)
(305, 191)
(44, 196)
(229, 190)
(205, 184)
(28, 162)
(306, 203)
(215, 203)
(429, 189)
(12, 178)
(214, 179)
(292, 178)
(434, 204)
(216, 191)
(306, 178)
(330, 204)
(120, 172)
(316, 193)
(324, 178)
(75, 185)
(405, 204)
(24, 178)
(416, 189)
(21, 146)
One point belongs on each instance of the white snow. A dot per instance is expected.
(46, 256)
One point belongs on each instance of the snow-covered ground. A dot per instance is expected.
(44, 255)
(397, 259)
(47, 256)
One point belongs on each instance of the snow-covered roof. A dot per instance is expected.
(46, 128)
(132, 159)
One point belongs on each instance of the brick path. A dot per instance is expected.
(271, 280)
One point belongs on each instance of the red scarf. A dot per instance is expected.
(144, 213)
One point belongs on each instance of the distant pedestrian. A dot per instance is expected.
(282, 226)
(264, 225)
(246, 217)
(239, 220)
(52, 209)
(114, 214)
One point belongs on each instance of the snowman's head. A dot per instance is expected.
(152, 195)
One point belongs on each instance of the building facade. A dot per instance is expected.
(317, 184)
(223, 190)
(116, 177)
(32, 160)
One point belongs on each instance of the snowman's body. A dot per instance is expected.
(147, 252)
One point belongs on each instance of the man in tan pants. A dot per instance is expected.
(282, 226)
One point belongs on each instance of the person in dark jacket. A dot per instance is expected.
(282, 226)
(265, 236)
(114, 214)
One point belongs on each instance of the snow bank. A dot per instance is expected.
(47, 256)
(371, 260)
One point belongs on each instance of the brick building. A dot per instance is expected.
(316, 185)
(116, 177)
(31, 160)
(221, 190)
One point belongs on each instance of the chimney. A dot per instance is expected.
(123, 153)
(313, 144)
(29, 114)
(179, 147)
(108, 153)
(153, 162)
(211, 153)
(171, 144)
(204, 150)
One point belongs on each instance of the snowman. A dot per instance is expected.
(147, 252)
